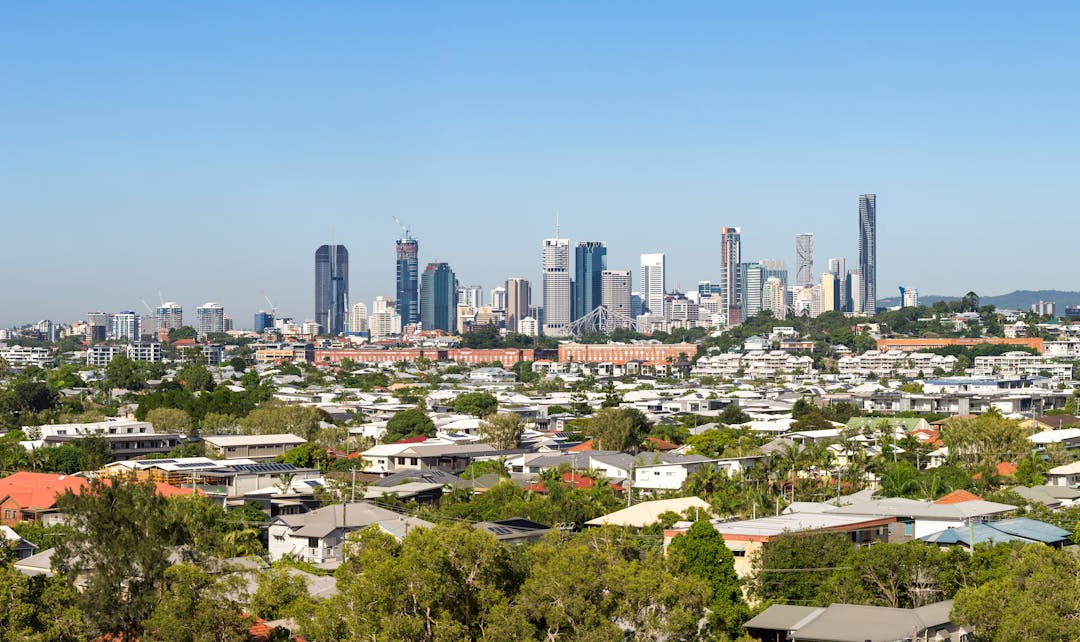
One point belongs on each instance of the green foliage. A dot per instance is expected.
(194, 377)
(170, 420)
(408, 423)
(183, 332)
(814, 550)
(560, 505)
(985, 440)
(280, 593)
(622, 429)
(197, 607)
(275, 418)
(502, 431)
(480, 467)
(124, 372)
(900, 479)
(524, 372)
(40, 609)
(306, 456)
(479, 404)
(22, 399)
(701, 552)
(732, 414)
(484, 337)
(726, 442)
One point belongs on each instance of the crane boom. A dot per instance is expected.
(404, 229)
(147, 305)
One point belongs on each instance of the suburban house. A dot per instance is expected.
(671, 471)
(516, 530)
(1017, 530)
(386, 459)
(856, 623)
(647, 513)
(1067, 475)
(23, 549)
(916, 518)
(31, 497)
(316, 537)
(251, 446)
(228, 478)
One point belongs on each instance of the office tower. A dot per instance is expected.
(473, 296)
(707, 288)
(804, 259)
(615, 296)
(557, 294)
(528, 326)
(637, 304)
(847, 291)
(1042, 308)
(210, 318)
(408, 278)
(331, 287)
(124, 326)
(263, 321)
(856, 290)
(438, 297)
(653, 284)
(498, 298)
(384, 321)
(97, 326)
(774, 297)
(775, 269)
(518, 300)
(681, 311)
(227, 323)
(590, 261)
(170, 314)
(752, 279)
(730, 273)
(838, 268)
(830, 292)
(358, 319)
(868, 252)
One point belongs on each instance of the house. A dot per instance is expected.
(647, 513)
(516, 530)
(386, 459)
(251, 446)
(856, 623)
(919, 518)
(1067, 475)
(670, 471)
(1049, 496)
(31, 497)
(1019, 529)
(1050, 422)
(316, 537)
(23, 549)
(746, 537)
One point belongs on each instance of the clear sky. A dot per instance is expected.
(205, 150)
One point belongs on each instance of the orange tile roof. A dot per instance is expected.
(582, 447)
(957, 497)
(38, 490)
(661, 444)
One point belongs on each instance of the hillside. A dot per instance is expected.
(1016, 300)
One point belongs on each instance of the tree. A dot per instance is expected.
(408, 423)
(894, 575)
(195, 377)
(502, 431)
(279, 594)
(620, 429)
(183, 332)
(197, 607)
(305, 456)
(170, 420)
(1036, 598)
(123, 372)
(985, 440)
(732, 414)
(118, 546)
(900, 479)
(816, 550)
(39, 609)
(274, 419)
(480, 404)
(701, 552)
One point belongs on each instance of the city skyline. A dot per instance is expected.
(649, 132)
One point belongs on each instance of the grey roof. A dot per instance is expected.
(1046, 495)
(515, 528)
(1018, 529)
(901, 507)
(782, 617)
(858, 623)
(350, 516)
(427, 476)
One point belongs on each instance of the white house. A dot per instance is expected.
(316, 537)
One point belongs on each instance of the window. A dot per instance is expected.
(909, 529)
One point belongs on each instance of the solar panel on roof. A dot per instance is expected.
(190, 464)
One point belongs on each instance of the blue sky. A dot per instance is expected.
(205, 150)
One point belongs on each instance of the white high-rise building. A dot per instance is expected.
(124, 326)
(556, 269)
(358, 318)
(615, 296)
(170, 314)
(498, 298)
(731, 274)
(804, 259)
(856, 292)
(653, 283)
(753, 280)
(774, 297)
(210, 318)
(528, 326)
(473, 296)
(384, 304)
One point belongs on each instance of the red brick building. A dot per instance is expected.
(621, 353)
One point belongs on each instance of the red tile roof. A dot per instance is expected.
(38, 490)
(577, 480)
(419, 439)
(957, 497)
(661, 444)
(582, 447)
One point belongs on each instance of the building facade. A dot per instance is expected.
(518, 300)
(557, 290)
(331, 287)
(438, 298)
(210, 318)
(730, 274)
(653, 283)
(590, 261)
(615, 296)
(804, 259)
(868, 252)
(408, 279)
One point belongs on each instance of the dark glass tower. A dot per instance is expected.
(331, 287)
(438, 298)
(590, 261)
(868, 253)
(408, 280)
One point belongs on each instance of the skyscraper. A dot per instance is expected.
(804, 259)
(331, 287)
(438, 297)
(730, 274)
(838, 268)
(170, 315)
(263, 321)
(868, 252)
(473, 296)
(518, 300)
(498, 298)
(830, 292)
(124, 326)
(752, 279)
(210, 318)
(774, 297)
(358, 318)
(653, 283)
(590, 261)
(408, 279)
(616, 297)
(556, 270)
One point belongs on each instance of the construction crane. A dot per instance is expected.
(147, 306)
(404, 230)
(273, 308)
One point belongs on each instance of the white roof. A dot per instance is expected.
(790, 522)
(253, 440)
(1067, 469)
(1055, 436)
(646, 513)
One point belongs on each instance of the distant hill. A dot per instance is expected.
(1016, 300)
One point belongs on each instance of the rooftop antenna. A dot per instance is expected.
(556, 223)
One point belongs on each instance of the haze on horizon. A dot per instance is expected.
(205, 151)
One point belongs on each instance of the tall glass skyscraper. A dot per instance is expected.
(331, 287)
(438, 297)
(408, 279)
(804, 260)
(868, 253)
(590, 261)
